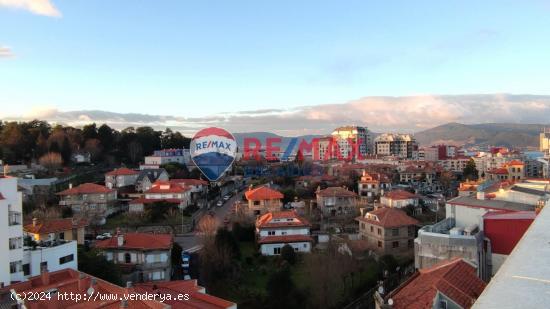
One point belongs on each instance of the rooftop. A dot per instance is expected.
(86, 188)
(400, 195)
(123, 171)
(53, 225)
(492, 204)
(522, 281)
(268, 220)
(336, 191)
(263, 193)
(388, 217)
(139, 241)
(455, 278)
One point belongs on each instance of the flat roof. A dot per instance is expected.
(523, 281)
(491, 203)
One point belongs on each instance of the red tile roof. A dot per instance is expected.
(72, 281)
(197, 297)
(514, 162)
(388, 217)
(265, 221)
(163, 186)
(139, 241)
(54, 226)
(498, 171)
(86, 188)
(189, 181)
(123, 171)
(336, 191)
(400, 195)
(284, 239)
(455, 278)
(263, 193)
(143, 200)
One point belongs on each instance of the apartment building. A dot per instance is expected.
(11, 229)
(399, 145)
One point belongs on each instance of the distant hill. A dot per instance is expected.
(494, 134)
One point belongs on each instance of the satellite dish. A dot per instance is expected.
(390, 302)
(90, 291)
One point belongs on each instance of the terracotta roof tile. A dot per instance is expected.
(140, 241)
(265, 221)
(388, 217)
(455, 278)
(263, 193)
(86, 188)
(123, 171)
(337, 191)
(284, 239)
(400, 195)
(54, 226)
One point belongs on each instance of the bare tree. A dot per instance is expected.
(51, 161)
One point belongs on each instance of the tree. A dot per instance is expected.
(93, 262)
(51, 161)
(225, 238)
(89, 131)
(135, 152)
(470, 171)
(281, 290)
(288, 254)
(93, 146)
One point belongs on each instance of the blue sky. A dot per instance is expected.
(199, 58)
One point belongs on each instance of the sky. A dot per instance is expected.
(292, 67)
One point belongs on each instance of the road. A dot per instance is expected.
(191, 240)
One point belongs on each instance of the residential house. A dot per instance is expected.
(121, 177)
(164, 156)
(147, 177)
(197, 187)
(513, 170)
(337, 202)
(277, 229)
(399, 199)
(33, 188)
(166, 191)
(373, 185)
(263, 199)
(80, 157)
(141, 256)
(454, 164)
(179, 294)
(57, 229)
(449, 284)
(388, 231)
(93, 201)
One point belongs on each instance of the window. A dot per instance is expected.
(410, 243)
(256, 203)
(62, 235)
(379, 244)
(305, 245)
(127, 258)
(43, 266)
(66, 259)
(270, 233)
(411, 231)
(16, 243)
(395, 244)
(372, 229)
(442, 304)
(283, 233)
(395, 232)
(26, 269)
(379, 231)
(276, 250)
(15, 267)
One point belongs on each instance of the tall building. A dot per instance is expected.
(347, 138)
(544, 140)
(400, 145)
(11, 231)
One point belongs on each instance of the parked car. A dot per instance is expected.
(103, 236)
(227, 197)
(219, 203)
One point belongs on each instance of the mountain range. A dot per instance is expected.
(487, 134)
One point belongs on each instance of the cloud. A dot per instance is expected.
(407, 114)
(39, 7)
(6, 52)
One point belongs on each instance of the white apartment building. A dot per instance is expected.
(160, 157)
(344, 140)
(19, 262)
(11, 231)
(400, 145)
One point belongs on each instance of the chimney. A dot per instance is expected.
(45, 276)
(250, 188)
(81, 283)
(480, 195)
(70, 185)
(34, 221)
(120, 240)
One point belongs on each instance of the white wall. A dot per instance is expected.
(465, 215)
(51, 255)
(12, 201)
(284, 231)
(267, 249)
